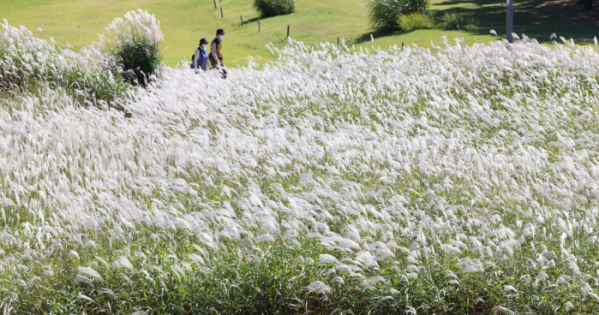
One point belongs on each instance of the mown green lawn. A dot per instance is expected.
(184, 22)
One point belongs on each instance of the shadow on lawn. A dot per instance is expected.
(375, 33)
(536, 19)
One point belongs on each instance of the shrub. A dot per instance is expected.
(139, 58)
(274, 7)
(97, 87)
(27, 61)
(458, 21)
(29, 65)
(136, 49)
(386, 13)
(415, 21)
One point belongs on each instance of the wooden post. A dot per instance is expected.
(401, 46)
(215, 4)
(221, 13)
(337, 41)
(287, 31)
(241, 16)
(258, 25)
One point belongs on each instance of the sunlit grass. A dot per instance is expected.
(184, 22)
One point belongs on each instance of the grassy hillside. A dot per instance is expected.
(184, 22)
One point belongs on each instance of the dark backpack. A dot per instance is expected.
(193, 57)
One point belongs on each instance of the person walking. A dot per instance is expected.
(216, 52)
(200, 58)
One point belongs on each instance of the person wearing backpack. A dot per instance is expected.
(216, 53)
(200, 57)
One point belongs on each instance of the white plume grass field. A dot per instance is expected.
(446, 180)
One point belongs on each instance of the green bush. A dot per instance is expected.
(134, 50)
(415, 21)
(139, 59)
(458, 21)
(95, 86)
(386, 13)
(269, 8)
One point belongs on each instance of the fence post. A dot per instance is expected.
(221, 13)
(215, 4)
(287, 31)
(241, 16)
(337, 41)
(401, 46)
(258, 25)
(509, 27)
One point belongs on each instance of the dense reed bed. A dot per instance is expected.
(442, 180)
